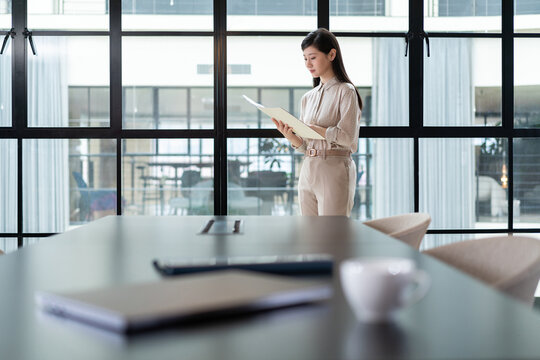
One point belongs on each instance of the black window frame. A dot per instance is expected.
(20, 131)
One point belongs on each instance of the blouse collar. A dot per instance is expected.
(333, 81)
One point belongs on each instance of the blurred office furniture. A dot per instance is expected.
(409, 228)
(270, 187)
(508, 263)
(491, 192)
(93, 200)
(188, 179)
(239, 203)
(152, 190)
(195, 200)
(531, 200)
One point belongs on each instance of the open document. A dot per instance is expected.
(298, 126)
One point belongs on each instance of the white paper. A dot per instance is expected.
(298, 126)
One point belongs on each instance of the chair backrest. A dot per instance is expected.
(508, 263)
(409, 228)
(199, 195)
(188, 179)
(79, 180)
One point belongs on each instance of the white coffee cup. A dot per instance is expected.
(376, 287)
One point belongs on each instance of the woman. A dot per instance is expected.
(332, 108)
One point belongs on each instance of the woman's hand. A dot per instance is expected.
(319, 129)
(287, 131)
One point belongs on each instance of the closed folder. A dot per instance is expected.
(135, 307)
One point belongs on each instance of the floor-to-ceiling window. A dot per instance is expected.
(136, 108)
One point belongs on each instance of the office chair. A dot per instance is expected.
(409, 228)
(510, 264)
(153, 187)
(93, 200)
(196, 200)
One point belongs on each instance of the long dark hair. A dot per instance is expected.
(325, 41)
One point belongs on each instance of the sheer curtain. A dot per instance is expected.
(393, 191)
(8, 157)
(447, 165)
(46, 173)
(5, 86)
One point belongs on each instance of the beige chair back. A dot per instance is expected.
(409, 228)
(508, 263)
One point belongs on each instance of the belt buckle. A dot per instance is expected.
(312, 152)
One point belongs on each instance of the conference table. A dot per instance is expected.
(459, 318)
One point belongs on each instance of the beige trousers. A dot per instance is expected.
(327, 186)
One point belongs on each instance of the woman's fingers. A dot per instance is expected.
(282, 127)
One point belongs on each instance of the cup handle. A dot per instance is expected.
(423, 282)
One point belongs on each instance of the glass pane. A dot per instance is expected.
(376, 66)
(379, 69)
(67, 182)
(262, 177)
(269, 83)
(526, 183)
(462, 15)
(526, 83)
(434, 240)
(464, 182)
(167, 15)
(177, 94)
(527, 13)
(201, 106)
(99, 106)
(369, 15)
(5, 14)
(8, 186)
(89, 106)
(32, 241)
(68, 15)
(172, 110)
(272, 15)
(168, 176)
(68, 82)
(385, 177)
(8, 245)
(462, 83)
(139, 108)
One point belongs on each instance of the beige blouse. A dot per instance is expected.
(332, 105)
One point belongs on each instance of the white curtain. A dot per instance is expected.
(447, 165)
(5, 86)
(46, 173)
(393, 181)
(8, 158)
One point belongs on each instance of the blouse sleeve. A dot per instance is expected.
(343, 133)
